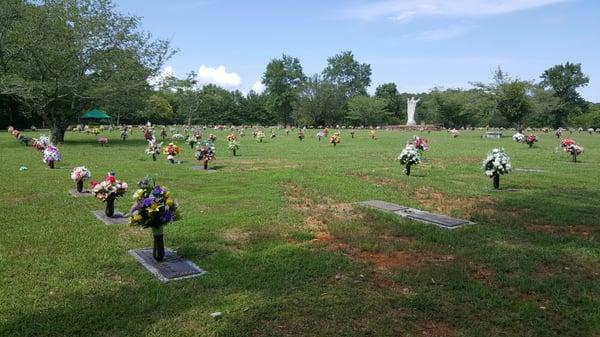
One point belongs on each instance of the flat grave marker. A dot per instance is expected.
(201, 168)
(382, 205)
(84, 193)
(439, 220)
(171, 268)
(117, 219)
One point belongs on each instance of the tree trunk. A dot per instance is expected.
(57, 134)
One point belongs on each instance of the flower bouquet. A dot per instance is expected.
(234, 145)
(531, 139)
(455, 133)
(96, 131)
(124, 134)
(260, 135)
(205, 153)
(408, 157)
(320, 135)
(301, 135)
(372, 134)
(495, 164)
(78, 175)
(518, 137)
(108, 190)
(41, 143)
(153, 148)
(352, 133)
(153, 207)
(178, 136)
(420, 143)
(192, 140)
(212, 138)
(172, 150)
(571, 146)
(102, 141)
(335, 139)
(51, 155)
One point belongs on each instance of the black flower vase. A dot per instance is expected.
(234, 152)
(574, 154)
(80, 186)
(154, 157)
(158, 250)
(206, 164)
(51, 164)
(407, 169)
(110, 205)
(530, 144)
(496, 178)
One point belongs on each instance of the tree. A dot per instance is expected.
(157, 109)
(254, 107)
(367, 111)
(565, 79)
(72, 54)
(513, 102)
(282, 80)
(395, 104)
(345, 71)
(320, 103)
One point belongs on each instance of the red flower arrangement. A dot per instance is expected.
(531, 139)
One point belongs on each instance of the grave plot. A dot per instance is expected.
(439, 220)
(171, 268)
(84, 193)
(117, 219)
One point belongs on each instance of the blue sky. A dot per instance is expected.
(417, 44)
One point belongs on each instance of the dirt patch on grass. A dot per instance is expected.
(435, 329)
(236, 235)
(438, 202)
(584, 231)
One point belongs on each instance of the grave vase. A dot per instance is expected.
(574, 154)
(206, 164)
(110, 205)
(407, 169)
(234, 150)
(80, 186)
(496, 178)
(154, 157)
(51, 164)
(158, 249)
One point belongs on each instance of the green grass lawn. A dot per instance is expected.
(288, 254)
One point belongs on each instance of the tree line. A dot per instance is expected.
(59, 58)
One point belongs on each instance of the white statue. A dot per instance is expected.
(411, 106)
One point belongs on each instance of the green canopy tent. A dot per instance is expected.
(95, 114)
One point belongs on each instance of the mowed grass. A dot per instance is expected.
(289, 254)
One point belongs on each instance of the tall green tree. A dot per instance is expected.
(395, 104)
(565, 79)
(367, 111)
(282, 80)
(72, 54)
(320, 103)
(343, 70)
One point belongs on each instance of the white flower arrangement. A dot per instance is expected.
(409, 156)
(51, 154)
(178, 136)
(518, 137)
(80, 173)
(496, 162)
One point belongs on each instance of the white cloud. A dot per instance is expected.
(218, 76)
(408, 9)
(444, 33)
(258, 87)
(167, 71)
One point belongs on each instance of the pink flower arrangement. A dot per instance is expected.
(531, 139)
(109, 186)
(420, 143)
(102, 141)
(80, 173)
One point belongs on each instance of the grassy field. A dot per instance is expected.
(288, 254)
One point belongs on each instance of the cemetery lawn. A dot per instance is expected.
(289, 254)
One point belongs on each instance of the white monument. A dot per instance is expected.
(411, 106)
